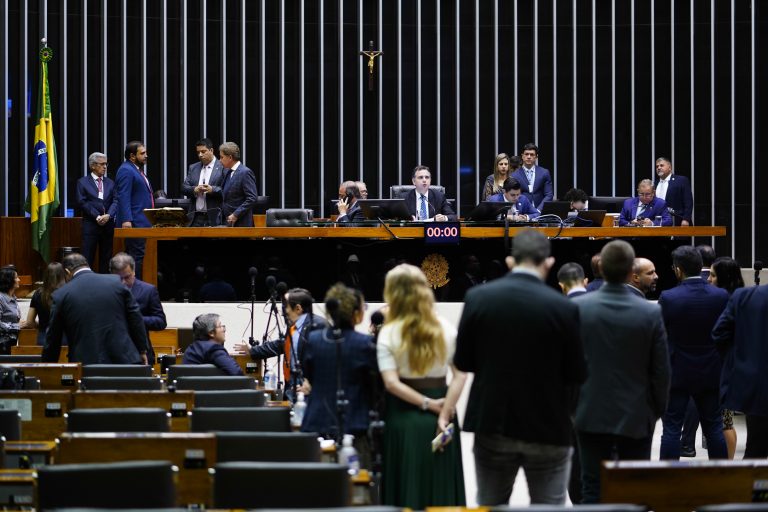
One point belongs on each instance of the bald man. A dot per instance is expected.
(643, 279)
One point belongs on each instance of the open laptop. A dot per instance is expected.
(384, 209)
(488, 210)
(559, 208)
(589, 219)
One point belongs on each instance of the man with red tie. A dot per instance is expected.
(96, 199)
(134, 194)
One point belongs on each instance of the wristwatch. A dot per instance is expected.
(424, 403)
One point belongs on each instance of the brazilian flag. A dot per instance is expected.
(43, 197)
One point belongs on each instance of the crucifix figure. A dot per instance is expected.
(371, 54)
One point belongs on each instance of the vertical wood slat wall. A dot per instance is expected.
(603, 87)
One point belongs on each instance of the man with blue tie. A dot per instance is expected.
(239, 189)
(646, 209)
(424, 203)
(521, 210)
(134, 195)
(96, 199)
(675, 191)
(536, 181)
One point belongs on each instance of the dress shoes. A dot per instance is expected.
(687, 451)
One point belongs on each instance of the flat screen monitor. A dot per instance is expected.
(488, 210)
(384, 209)
(172, 203)
(559, 208)
(590, 218)
(607, 203)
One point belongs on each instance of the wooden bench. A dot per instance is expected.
(28, 337)
(178, 403)
(52, 375)
(674, 486)
(193, 454)
(17, 488)
(165, 338)
(28, 454)
(42, 411)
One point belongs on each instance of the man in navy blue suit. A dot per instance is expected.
(239, 189)
(146, 296)
(203, 182)
(134, 195)
(536, 181)
(522, 210)
(690, 311)
(208, 347)
(349, 210)
(424, 203)
(645, 208)
(96, 199)
(675, 191)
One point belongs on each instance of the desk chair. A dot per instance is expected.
(124, 419)
(400, 191)
(215, 383)
(253, 484)
(602, 507)
(117, 370)
(232, 398)
(239, 419)
(283, 217)
(20, 358)
(121, 383)
(267, 447)
(10, 424)
(193, 370)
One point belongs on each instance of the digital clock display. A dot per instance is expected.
(442, 233)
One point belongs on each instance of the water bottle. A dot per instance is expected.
(270, 379)
(348, 455)
(298, 410)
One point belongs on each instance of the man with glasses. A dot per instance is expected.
(96, 200)
(208, 347)
(146, 296)
(646, 209)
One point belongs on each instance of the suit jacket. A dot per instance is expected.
(636, 291)
(354, 214)
(542, 186)
(523, 205)
(679, 197)
(595, 284)
(526, 371)
(438, 204)
(626, 349)
(358, 368)
(216, 180)
(740, 331)
(690, 311)
(151, 309)
(100, 319)
(657, 207)
(277, 347)
(133, 196)
(239, 196)
(91, 206)
(211, 352)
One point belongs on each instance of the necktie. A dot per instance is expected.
(98, 184)
(423, 208)
(151, 195)
(288, 352)
(529, 176)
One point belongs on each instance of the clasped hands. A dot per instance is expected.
(203, 189)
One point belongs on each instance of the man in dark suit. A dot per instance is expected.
(740, 332)
(675, 191)
(626, 392)
(535, 180)
(690, 311)
(349, 210)
(522, 210)
(643, 279)
(521, 339)
(424, 203)
(208, 347)
(96, 199)
(239, 189)
(203, 182)
(134, 195)
(644, 209)
(99, 317)
(145, 294)
(597, 275)
(571, 279)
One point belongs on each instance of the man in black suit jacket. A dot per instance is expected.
(521, 339)
(96, 199)
(98, 315)
(571, 279)
(239, 188)
(626, 349)
(675, 191)
(204, 179)
(349, 210)
(424, 203)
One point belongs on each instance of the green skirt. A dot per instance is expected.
(413, 476)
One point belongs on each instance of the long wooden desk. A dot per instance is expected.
(153, 235)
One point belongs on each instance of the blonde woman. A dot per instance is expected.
(415, 349)
(503, 167)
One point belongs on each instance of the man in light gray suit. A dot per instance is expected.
(203, 183)
(627, 387)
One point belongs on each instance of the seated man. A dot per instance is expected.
(208, 347)
(644, 209)
(522, 210)
(578, 199)
(349, 210)
(425, 204)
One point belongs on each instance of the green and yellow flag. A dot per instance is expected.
(43, 196)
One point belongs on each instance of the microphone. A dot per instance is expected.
(280, 289)
(758, 266)
(270, 282)
(377, 318)
(253, 271)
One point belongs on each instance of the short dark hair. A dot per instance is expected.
(74, 261)
(530, 146)
(302, 297)
(688, 260)
(204, 325)
(7, 278)
(132, 148)
(575, 195)
(570, 273)
(420, 168)
(511, 184)
(616, 261)
(350, 302)
(530, 245)
(205, 142)
(707, 255)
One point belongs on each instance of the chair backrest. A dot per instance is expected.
(117, 370)
(216, 383)
(193, 370)
(20, 358)
(10, 424)
(253, 484)
(135, 484)
(125, 419)
(281, 217)
(735, 507)
(121, 383)
(238, 419)
(31, 383)
(597, 507)
(267, 447)
(231, 398)
(400, 191)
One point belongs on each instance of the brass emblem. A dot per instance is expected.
(435, 267)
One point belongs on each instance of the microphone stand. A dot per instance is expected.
(251, 340)
(296, 368)
(758, 266)
(273, 312)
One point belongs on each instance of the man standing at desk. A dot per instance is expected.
(239, 189)
(675, 191)
(425, 204)
(536, 181)
(134, 195)
(96, 199)
(204, 179)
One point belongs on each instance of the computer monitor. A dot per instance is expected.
(390, 209)
(589, 218)
(607, 203)
(488, 210)
(166, 202)
(559, 208)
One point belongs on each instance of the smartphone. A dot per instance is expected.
(443, 438)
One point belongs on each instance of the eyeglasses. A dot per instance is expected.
(222, 326)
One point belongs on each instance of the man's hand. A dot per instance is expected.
(231, 219)
(242, 348)
(343, 206)
(144, 359)
(126, 224)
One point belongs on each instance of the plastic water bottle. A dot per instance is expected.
(270, 379)
(348, 455)
(298, 410)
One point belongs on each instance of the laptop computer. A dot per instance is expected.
(488, 210)
(384, 209)
(589, 218)
(559, 208)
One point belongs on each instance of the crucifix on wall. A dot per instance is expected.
(371, 54)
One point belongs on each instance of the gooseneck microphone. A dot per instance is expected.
(758, 266)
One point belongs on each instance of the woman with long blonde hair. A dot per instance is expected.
(415, 349)
(503, 167)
